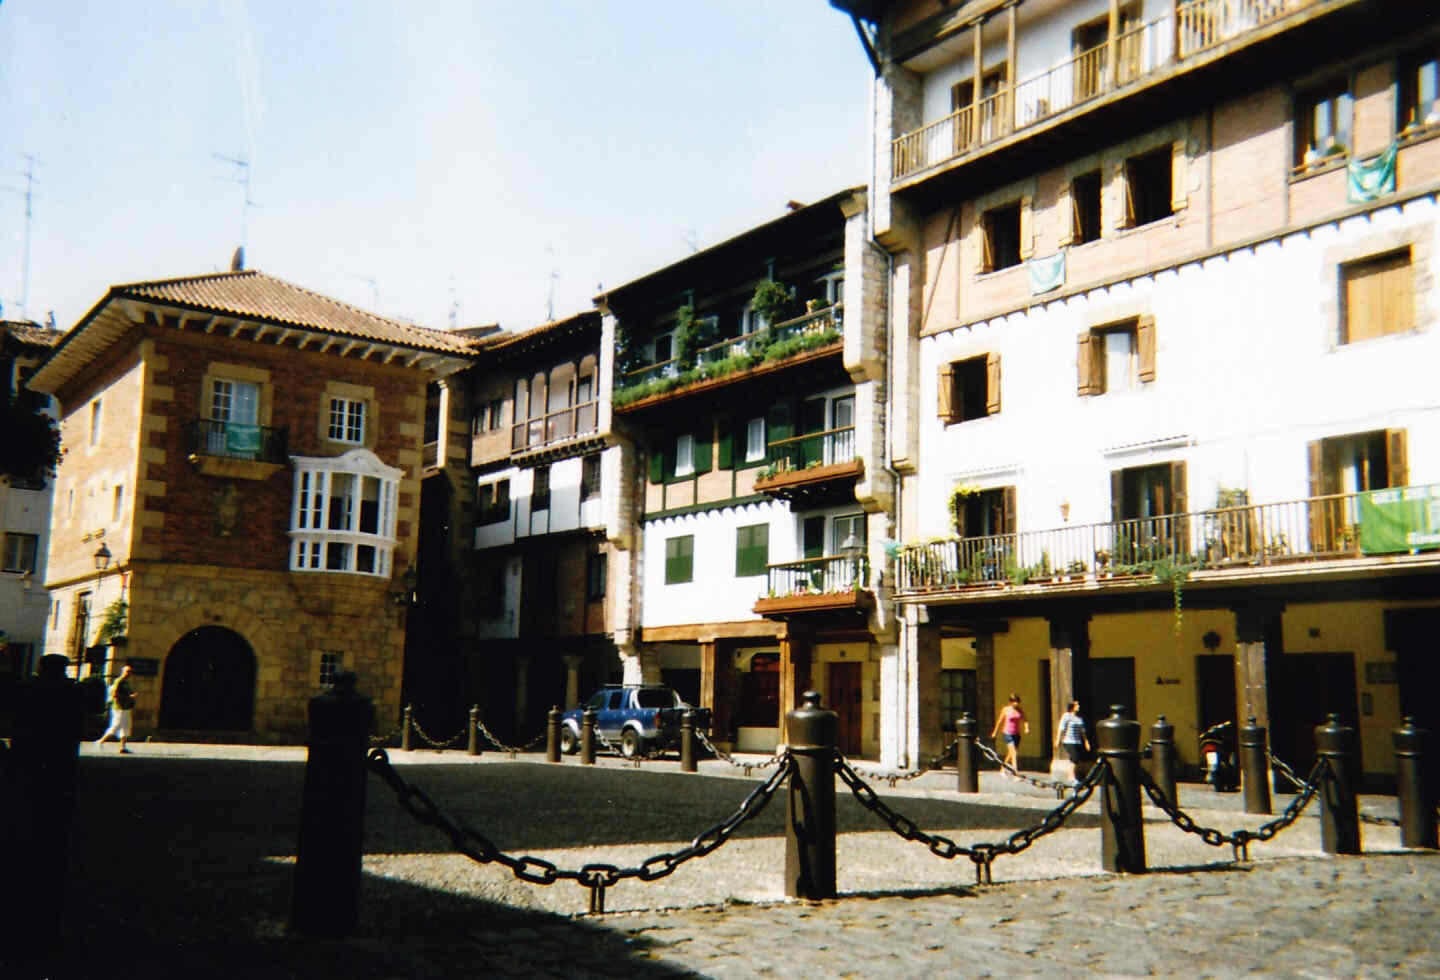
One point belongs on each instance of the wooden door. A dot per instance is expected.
(844, 698)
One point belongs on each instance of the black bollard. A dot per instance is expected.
(1163, 762)
(405, 726)
(967, 755)
(1122, 834)
(332, 814)
(1339, 810)
(1414, 787)
(1254, 767)
(473, 747)
(810, 805)
(687, 741)
(587, 737)
(552, 735)
(44, 752)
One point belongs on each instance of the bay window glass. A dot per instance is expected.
(343, 514)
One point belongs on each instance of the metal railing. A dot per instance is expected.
(233, 440)
(829, 575)
(813, 449)
(1141, 51)
(1294, 531)
(567, 423)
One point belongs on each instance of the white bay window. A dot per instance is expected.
(343, 514)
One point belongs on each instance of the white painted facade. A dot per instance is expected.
(24, 602)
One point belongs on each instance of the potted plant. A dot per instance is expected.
(112, 627)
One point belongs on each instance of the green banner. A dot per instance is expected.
(1374, 178)
(1400, 520)
(241, 438)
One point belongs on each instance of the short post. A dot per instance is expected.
(967, 755)
(810, 804)
(687, 741)
(1254, 767)
(1162, 758)
(1122, 834)
(473, 746)
(406, 724)
(1339, 810)
(1415, 789)
(332, 814)
(552, 735)
(587, 737)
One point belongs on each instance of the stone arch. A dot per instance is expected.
(209, 682)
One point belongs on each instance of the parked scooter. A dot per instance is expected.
(1217, 757)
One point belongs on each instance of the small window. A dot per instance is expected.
(20, 552)
(596, 567)
(1376, 297)
(590, 477)
(347, 421)
(119, 504)
(685, 455)
(1148, 187)
(495, 413)
(1323, 119)
(984, 513)
(1001, 237)
(843, 529)
(540, 491)
(1116, 357)
(969, 389)
(958, 694)
(330, 663)
(55, 617)
(95, 422)
(584, 390)
(1420, 90)
(752, 550)
(755, 440)
(679, 559)
(493, 502)
(1085, 208)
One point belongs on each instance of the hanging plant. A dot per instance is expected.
(958, 496)
(112, 627)
(1175, 573)
(775, 302)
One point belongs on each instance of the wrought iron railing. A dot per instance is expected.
(816, 321)
(233, 440)
(567, 423)
(1191, 29)
(1294, 531)
(829, 575)
(812, 449)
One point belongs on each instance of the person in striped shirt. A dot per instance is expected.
(1070, 732)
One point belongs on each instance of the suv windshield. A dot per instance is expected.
(654, 698)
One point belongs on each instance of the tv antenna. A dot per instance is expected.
(29, 193)
(550, 297)
(242, 177)
(691, 240)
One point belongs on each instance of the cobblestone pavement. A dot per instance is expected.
(183, 857)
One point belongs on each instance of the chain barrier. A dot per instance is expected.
(892, 777)
(982, 855)
(1289, 774)
(596, 877)
(1239, 840)
(435, 743)
(378, 740)
(512, 749)
(749, 767)
(1060, 788)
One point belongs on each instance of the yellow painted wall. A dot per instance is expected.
(824, 654)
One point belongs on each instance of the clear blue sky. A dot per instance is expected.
(410, 155)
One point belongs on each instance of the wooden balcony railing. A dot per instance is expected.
(567, 423)
(830, 575)
(234, 440)
(813, 449)
(1191, 29)
(1297, 531)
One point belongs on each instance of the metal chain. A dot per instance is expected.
(892, 777)
(749, 767)
(1059, 787)
(596, 877)
(1289, 774)
(434, 743)
(396, 732)
(1285, 770)
(981, 854)
(512, 749)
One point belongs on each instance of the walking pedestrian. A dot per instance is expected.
(1070, 732)
(122, 709)
(1011, 724)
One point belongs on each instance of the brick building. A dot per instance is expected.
(241, 472)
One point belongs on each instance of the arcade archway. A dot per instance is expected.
(209, 682)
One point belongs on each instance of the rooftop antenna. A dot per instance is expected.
(29, 198)
(550, 297)
(454, 305)
(691, 240)
(242, 177)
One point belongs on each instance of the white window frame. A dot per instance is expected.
(346, 422)
(14, 560)
(755, 440)
(685, 455)
(326, 491)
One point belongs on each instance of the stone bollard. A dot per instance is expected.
(473, 746)
(332, 813)
(1339, 810)
(1163, 762)
(1254, 767)
(587, 737)
(1122, 834)
(810, 804)
(687, 742)
(552, 735)
(967, 755)
(1415, 788)
(406, 725)
(44, 751)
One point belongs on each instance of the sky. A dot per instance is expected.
(430, 160)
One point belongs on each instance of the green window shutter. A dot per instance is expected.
(702, 449)
(724, 459)
(679, 559)
(657, 466)
(779, 424)
(752, 550)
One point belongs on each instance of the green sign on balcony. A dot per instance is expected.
(1400, 520)
(241, 438)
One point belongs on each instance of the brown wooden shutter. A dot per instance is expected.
(1008, 501)
(992, 383)
(1179, 499)
(1069, 231)
(1117, 495)
(1320, 538)
(1027, 226)
(958, 507)
(1085, 365)
(1127, 218)
(1179, 191)
(945, 393)
(1395, 458)
(1145, 344)
(1315, 454)
(987, 256)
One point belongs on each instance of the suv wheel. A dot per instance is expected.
(630, 744)
(569, 741)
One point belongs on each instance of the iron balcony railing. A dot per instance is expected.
(567, 423)
(813, 449)
(1291, 532)
(829, 575)
(234, 440)
(1190, 29)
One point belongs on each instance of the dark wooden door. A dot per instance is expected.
(209, 682)
(1310, 686)
(1215, 689)
(1112, 681)
(844, 698)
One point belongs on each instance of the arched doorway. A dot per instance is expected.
(209, 682)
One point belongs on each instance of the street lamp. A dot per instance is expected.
(102, 558)
(853, 549)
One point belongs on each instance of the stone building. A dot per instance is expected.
(241, 481)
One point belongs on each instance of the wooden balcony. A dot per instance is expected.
(831, 585)
(813, 469)
(1340, 533)
(572, 422)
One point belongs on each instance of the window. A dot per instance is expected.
(118, 507)
(347, 420)
(962, 95)
(842, 529)
(584, 390)
(1148, 186)
(95, 422)
(986, 513)
(1145, 504)
(1376, 297)
(685, 455)
(969, 389)
(330, 663)
(596, 568)
(752, 550)
(590, 477)
(957, 696)
(1420, 90)
(495, 413)
(1116, 357)
(20, 550)
(1345, 465)
(493, 502)
(1085, 208)
(234, 417)
(1324, 116)
(494, 600)
(755, 440)
(662, 349)
(540, 489)
(432, 412)
(1000, 237)
(343, 514)
(679, 559)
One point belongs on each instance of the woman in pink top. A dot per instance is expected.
(1012, 724)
